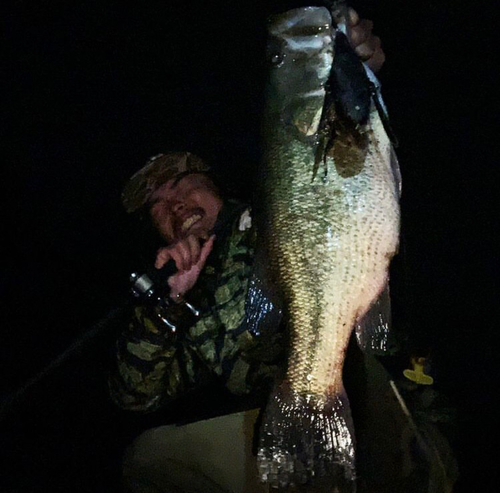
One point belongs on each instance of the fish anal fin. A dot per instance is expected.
(396, 171)
(307, 439)
(373, 330)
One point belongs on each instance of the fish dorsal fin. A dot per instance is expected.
(373, 330)
(263, 306)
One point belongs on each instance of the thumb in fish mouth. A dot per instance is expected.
(342, 13)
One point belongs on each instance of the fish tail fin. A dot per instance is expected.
(374, 331)
(306, 438)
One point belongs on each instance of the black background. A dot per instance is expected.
(92, 89)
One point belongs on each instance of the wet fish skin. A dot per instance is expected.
(328, 238)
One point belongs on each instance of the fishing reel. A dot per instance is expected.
(152, 289)
(151, 286)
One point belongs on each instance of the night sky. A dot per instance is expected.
(92, 89)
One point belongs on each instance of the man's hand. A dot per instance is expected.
(367, 46)
(190, 256)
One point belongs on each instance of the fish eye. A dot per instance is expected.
(275, 52)
(276, 59)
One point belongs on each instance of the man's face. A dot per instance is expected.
(186, 206)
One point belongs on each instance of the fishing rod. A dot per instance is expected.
(103, 326)
(148, 286)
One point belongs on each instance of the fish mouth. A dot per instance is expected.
(300, 50)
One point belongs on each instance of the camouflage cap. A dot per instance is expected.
(157, 171)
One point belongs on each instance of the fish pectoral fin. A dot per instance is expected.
(307, 438)
(373, 330)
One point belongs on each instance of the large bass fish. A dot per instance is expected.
(328, 222)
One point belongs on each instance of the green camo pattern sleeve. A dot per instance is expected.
(153, 367)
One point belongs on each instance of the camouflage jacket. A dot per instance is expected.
(154, 366)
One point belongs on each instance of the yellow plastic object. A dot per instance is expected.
(417, 374)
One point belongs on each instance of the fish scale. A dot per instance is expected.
(344, 271)
(327, 236)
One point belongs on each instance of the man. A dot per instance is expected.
(176, 192)
(154, 364)
(211, 241)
